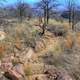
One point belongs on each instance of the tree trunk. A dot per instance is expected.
(73, 16)
(47, 14)
(70, 17)
(44, 24)
(43, 27)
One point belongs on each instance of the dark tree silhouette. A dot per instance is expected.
(20, 9)
(46, 6)
(23, 10)
(71, 10)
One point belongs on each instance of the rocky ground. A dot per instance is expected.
(47, 57)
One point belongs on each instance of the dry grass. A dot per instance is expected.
(27, 70)
(54, 22)
(19, 35)
(65, 24)
(2, 49)
(53, 44)
(69, 41)
(27, 33)
(18, 44)
(78, 38)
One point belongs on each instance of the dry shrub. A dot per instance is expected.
(27, 34)
(78, 38)
(39, 46)
(20, 35)
(36, 23)
(18, 43)
(66, 25)
(57, 49)
(54, 22)
(2, 48)
(69, 41)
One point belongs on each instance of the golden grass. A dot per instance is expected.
(27, 69)
(27, 31)
(54, 22)
(2, 49)
(65, 24)
(69, 41)
(54, 45)
(78, 38)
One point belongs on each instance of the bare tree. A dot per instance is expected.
(1, 7)
(46, 6)
(21, 8)
(71, 10)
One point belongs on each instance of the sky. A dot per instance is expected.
(32, 2)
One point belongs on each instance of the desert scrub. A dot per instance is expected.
(52, 59)
(27, 34)
(8, 42)
(35, 33)
(20, 34)
(30, 42)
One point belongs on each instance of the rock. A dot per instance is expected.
(39, 45)
(6, 64)
(27, 55)
(19, 68)
(2, 35)
(30, 53)
(77, 27)
(57, 75)
(16, 73)
(11, 76)
(12, 72)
